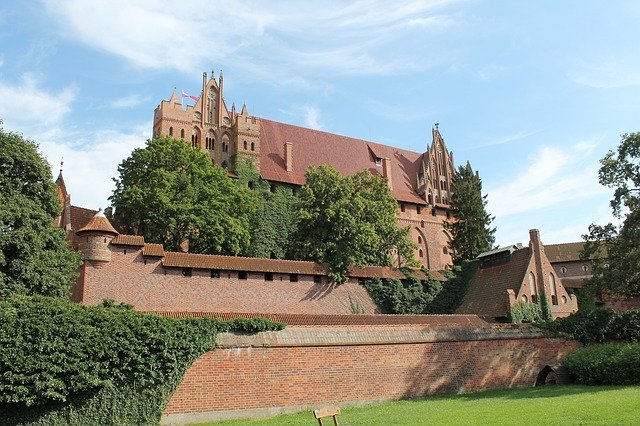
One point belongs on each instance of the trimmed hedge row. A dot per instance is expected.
(606, 364)
(59, 356)
(599, 326)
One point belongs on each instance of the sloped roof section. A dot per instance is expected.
(80, 217)
(128, 240)
(564, 252)
(250, 264)
(151, 249)
(337, 320)
(312, 148)
(487, 293)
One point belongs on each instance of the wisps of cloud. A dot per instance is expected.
(351, 37)
(523, 134)
(128, 101)
(307, 115)
(609, 73)
(28, 105)
(553, 177)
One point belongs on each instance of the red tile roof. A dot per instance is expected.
(250, 264)
(98, 223)
(80, 217)
(487, 293)
(128, 240)
(347, 155)
(565, 252)
(311, 320)
(151, 249)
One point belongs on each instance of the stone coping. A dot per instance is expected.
(378, 335)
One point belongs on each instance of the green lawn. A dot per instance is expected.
(550, 405)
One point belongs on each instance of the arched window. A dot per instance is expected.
(171, 131)
(225, 143)
(253, 146)
(420, 253)
(244, 145)
(419, 239)
(532, 284)
(524, 298)
(182, 133)
(554, 289)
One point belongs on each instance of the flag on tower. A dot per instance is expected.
(186, 95)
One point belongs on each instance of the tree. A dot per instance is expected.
(170, 193)
(471, 225)
(348, 221)
(34, 255)
(615, 250)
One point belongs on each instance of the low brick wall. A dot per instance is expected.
(304, 367)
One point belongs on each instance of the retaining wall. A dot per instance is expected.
(304, 367)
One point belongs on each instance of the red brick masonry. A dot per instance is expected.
(302, 367)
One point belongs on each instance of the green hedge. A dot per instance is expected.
(600, 325)
(605, 364)
(68, 363)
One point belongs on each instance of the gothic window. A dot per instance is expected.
(524, 298)
(419, 239)
(244, 145)
(554, 290)
(171, 131)
(420, 253)
(225, 143)
(253, 146)
(532, 283)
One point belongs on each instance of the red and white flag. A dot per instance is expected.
(186, 95)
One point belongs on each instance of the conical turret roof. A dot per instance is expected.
(99, 223)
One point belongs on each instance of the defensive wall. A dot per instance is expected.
(308, 366)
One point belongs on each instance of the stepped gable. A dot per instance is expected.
(347, 155)
(99, 223)
(487, 293)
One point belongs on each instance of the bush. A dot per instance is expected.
(599, 326)
(60, 356)
(525, 312)
(606, 364)
(449, 297)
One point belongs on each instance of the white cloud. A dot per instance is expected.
(312, 117)
(28, 105)
(553, 177)
(128, 101)
(344, 37)
(91, 162)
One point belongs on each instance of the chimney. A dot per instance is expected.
(288, 159)
(386, 171)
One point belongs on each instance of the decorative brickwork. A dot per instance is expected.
(300, 368)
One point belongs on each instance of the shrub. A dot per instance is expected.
(450, 293)
(410, 296)
(599, 326)
(60, 359)
(525, 312)
(606, 364)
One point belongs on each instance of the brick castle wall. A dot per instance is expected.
(149, 286)
(303, 367)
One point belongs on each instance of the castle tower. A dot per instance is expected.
(95, 237)
(436, 172)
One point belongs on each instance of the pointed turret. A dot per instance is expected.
(175, 99)
(95, 237)
(244, 110)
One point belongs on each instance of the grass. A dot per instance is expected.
(548, 405)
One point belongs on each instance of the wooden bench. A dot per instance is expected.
(327, 412)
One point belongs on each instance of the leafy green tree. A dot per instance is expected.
(34, 255)
(615, 250)
(348, 221)
(169, 192)
(471, 225)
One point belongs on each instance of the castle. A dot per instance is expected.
(420, 182)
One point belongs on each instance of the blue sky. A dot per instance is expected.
(532, 93)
